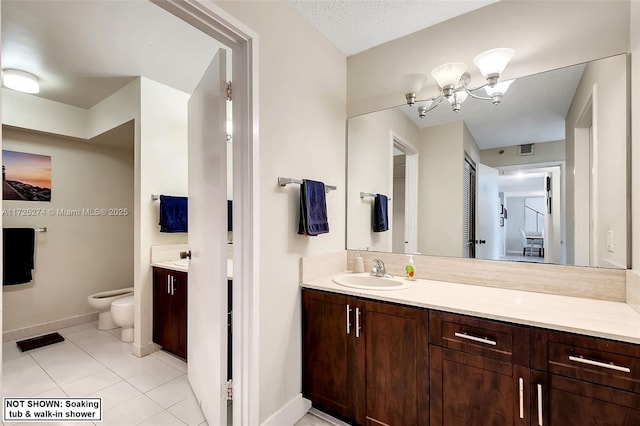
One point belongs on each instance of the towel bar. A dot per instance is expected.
(286, 181)
(154, 197)
(368, 194)
(41, 229)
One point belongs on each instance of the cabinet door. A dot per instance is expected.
(393, 348)
(162, 308)
(471, 390)
(563, 401)
(328, 352)
(179, 302)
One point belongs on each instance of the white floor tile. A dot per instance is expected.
(132, 412)
(172, 360)
(117, 394)
(91, 384)
(23, 377)
(172, 392)
(157, 375)
(96, 363)
(66, 362)
(10, 351)
(165, 418)
(188, 411)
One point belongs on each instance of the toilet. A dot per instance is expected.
(122, 316)
(102, 303)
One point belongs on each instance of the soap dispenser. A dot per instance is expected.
(358, 263)
(410, 269)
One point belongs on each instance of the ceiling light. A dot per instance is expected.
(493, 62)
(21, 81)
(498, 90)
(453, 80)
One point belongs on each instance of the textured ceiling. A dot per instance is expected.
(357, 25)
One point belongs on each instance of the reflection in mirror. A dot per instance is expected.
(541, 177)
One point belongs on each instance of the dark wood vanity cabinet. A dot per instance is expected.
(365, 361)
(371, 363)
(170, 310)
(479, 371)
(584, 381)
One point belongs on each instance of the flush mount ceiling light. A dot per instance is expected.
(453, 80)
(21, 81)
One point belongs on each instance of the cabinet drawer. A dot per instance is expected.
(490, 339)
(615, 364)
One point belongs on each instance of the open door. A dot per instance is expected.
(207, 289)
(488, 231)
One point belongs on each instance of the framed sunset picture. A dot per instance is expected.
(26, 177)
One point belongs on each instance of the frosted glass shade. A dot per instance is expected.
(501, 87)
(21, 81)
(493, 61)
(458, 97)
(448, 74)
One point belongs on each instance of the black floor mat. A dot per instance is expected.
(38, 342)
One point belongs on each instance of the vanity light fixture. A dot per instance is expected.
(453, 80)
(20, 81)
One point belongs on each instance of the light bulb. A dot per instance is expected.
(21, 81)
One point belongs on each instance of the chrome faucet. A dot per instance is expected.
(378, 270)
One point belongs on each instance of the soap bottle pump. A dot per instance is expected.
(410, 269)
(358, 263)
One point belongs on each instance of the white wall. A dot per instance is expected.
(634, 49)
(543, 153)
(161, 168)
(370, 169)
(441, 157)
(78, 255)
(302, 104)
(79, 173)
(545, 35)
(605, 82)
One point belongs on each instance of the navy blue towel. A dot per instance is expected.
(173, 214)
(380, 215)
(313, 209)
(17, 255)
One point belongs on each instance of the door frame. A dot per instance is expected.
(243, 42)
(410, 190)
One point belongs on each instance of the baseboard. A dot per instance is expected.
(293, 411)
(144, 350)
(48, 327)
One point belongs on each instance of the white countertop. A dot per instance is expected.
(612, 320)
(170, 264)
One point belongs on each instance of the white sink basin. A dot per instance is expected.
(182, 262)
(365, 281)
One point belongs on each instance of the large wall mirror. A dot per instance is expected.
(541, 177)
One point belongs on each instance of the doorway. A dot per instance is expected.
(469, 210)
(405, 195)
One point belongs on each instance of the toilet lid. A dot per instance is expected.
(126, 300)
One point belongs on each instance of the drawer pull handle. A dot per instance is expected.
(476, 339)
(358, 328)
(599, 364)
(348, 316)
(539, 404)
(521, 392)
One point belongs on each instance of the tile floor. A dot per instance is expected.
(150, 391)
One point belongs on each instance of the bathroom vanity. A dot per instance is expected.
(170, 310)
(443, 353)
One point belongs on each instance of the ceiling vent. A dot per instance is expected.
(526, 149)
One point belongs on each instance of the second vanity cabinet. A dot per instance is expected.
(581, 380)
(365, 361)
(479, 371)
(170, 310)
(373, 363)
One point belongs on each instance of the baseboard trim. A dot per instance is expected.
(292, 411)
(47, 327)
(144, 350)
